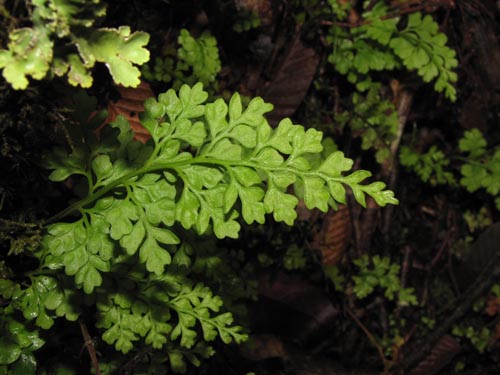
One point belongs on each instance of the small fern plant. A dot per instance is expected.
(381, 272)
(195, 60)
(371, 118)
(482, 166)
(125, 245)
(478, 165)
(377, 44)
(431, 166)
(63, 40)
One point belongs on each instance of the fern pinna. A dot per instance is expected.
(124, 245)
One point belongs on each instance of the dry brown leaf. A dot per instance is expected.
(287, 89)
(293, 308)
(334, 236)
(442, 353)
(129, 106)
(497, 333)
(492, 306)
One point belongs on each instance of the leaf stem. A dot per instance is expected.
(76, 206)
(151, 166)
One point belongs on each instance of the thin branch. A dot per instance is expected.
(406, 265)
(6, 223)
(387, 363)
(444, 245)
(404, 98)
(482, 284)
(89, 344)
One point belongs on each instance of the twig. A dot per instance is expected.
(406, 265)
(89, 344)
(477, 289)
(404, 99)
(387, 363)
(404, 274)
(12, 224)
(439, 253)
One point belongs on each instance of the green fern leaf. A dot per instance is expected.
(234, 166)
(201, 54)
(29, 53)
(473, 143)
(422, 47)
(119, 49)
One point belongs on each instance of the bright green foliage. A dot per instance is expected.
(130, 245)
(356, 57)
(380, 272)
(473, 143)
(36, 297)
(34, 51)
(29, 53)
(477, 175)
(378, 45)
(372, 118)
(482, 169)
(200, 54)
(483, 174)
(193, 305)
(163, 70)
(237, 158)
(196, 59)
(44, 294)
(126, 318)
(17, 342)
(240, 158)
(119, 49)
(60, 16)
(430, 166)
(422, 47)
